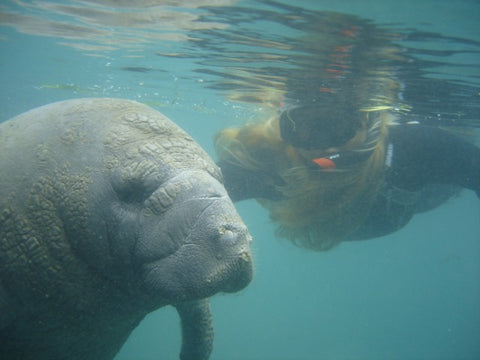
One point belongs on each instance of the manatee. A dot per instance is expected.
(108, 211)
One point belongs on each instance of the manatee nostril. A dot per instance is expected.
(228, 237)
(234, 236)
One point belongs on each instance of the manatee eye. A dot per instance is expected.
(131, 191)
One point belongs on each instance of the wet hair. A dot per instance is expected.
(318, 208)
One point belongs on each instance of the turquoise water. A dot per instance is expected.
(412, 295)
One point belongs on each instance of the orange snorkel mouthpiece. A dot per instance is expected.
(325, 163)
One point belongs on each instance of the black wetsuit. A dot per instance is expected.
(425, 166)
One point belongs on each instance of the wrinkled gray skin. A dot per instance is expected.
(109, 211)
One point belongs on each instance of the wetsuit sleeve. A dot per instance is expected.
(427, 155)
(242, 184)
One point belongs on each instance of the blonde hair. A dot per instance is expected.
(319, 207)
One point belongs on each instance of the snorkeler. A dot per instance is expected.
(326, 180)
(344, 158)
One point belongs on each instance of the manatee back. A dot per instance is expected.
(97, 133)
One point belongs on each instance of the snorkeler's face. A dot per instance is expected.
(316, 127)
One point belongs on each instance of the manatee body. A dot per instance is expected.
(109, 211)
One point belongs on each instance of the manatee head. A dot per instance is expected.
(158, 209)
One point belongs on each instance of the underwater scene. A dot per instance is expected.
(300, 104)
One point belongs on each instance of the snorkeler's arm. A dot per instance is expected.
(242, 184)
(425, 155)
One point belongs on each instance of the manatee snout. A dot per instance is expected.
(199, 241)
(232, 251)
(228, 246)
